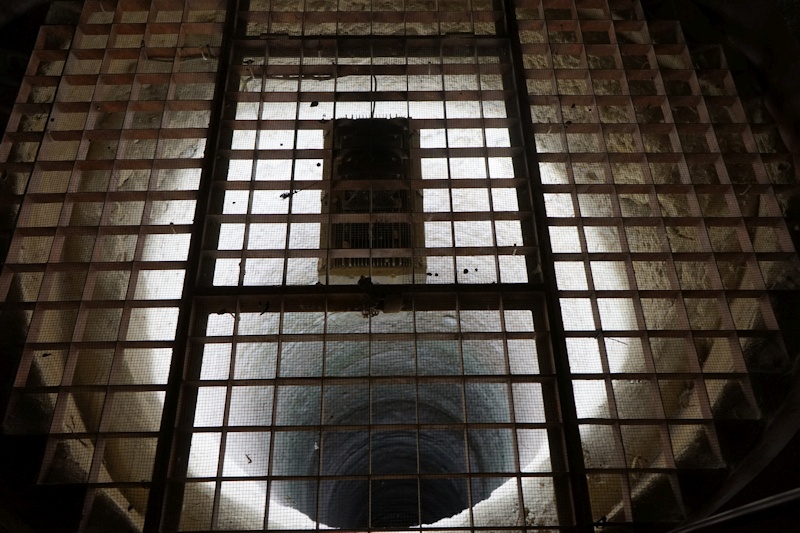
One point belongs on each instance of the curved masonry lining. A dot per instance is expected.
(385, 452)
(290, 508)
(341, 504)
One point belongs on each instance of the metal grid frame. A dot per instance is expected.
(105, 153)
(248, 72)
(293, 169)
(335, 321)
(659, 190)
(666, 233)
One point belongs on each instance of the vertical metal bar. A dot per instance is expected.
(571, 446)
(169, 419)
(274, 415)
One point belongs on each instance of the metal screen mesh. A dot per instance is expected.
(106, 140)
(385, 421)
(274, 204)
(413, 361)
(663, 211)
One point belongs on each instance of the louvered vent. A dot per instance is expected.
(371, 201)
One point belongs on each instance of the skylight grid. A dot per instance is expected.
(373, 17)
(293, 411)
(105, 151)
(217, 321)
(470, 221)
(653, 190)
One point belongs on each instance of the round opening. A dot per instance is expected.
(394, 477)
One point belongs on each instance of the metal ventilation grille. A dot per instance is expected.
(370, 174)
(590, 226)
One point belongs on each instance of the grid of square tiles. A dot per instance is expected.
(664, 211)
(312, 18)
(106, 140)
(306, 410)
(269, 200)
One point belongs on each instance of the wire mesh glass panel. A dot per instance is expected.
(358, 17)
(364, 343)
(306, 414)
(96, 267)
(650, 202)
(385, 159)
